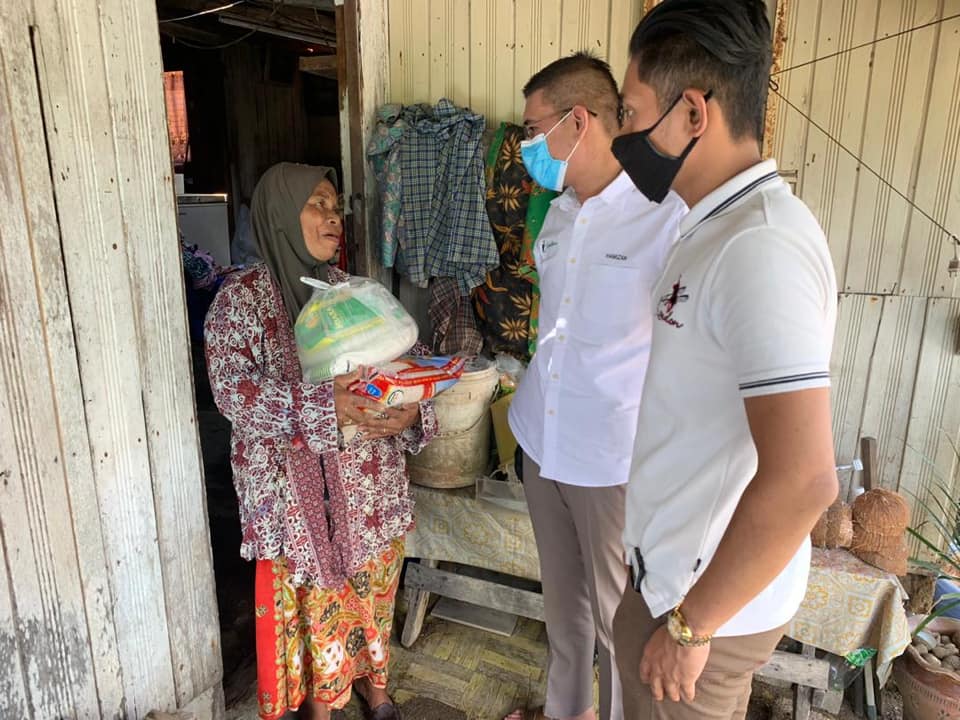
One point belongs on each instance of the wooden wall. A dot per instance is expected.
(480, 53)
(267, 118)
(895, 106)
(107, 604)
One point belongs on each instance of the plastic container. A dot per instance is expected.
(461, 451)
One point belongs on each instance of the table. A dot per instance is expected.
(848, 605)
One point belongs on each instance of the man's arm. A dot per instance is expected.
(796, 481)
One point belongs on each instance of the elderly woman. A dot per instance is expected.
(324, 519)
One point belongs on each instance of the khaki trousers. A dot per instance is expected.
(722, 692)
(578, 532)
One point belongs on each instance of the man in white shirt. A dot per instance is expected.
(733, 460)
(601, 248)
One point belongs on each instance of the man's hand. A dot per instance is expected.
(670, 669)
(389, 422)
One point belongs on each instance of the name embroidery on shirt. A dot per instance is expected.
(612, 256)
(668, 303)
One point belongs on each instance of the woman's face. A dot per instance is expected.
(321, 223)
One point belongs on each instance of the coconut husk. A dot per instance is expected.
(880, 508)
(894, 562)
(880, 519)
(834, 529)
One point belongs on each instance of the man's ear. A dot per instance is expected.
(697, 118)
(581, 115)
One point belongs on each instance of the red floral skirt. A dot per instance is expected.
(312, 643)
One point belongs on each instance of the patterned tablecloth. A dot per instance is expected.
(849, 604)
(452, 525)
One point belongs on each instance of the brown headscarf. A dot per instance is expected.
(275, 215)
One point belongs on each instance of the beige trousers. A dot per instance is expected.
(578, 532)
(723, 690)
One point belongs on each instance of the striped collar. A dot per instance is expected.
(728, 194)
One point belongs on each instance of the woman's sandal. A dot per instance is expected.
(384, 711)
(528, 714)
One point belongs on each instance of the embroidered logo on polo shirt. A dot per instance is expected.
(668, 303)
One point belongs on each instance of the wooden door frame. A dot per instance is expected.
(362, 78)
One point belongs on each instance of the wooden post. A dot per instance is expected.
(802, 694)
(417, 601)
(871, 462)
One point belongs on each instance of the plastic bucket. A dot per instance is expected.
(461, 451)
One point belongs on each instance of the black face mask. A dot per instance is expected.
(651, 171)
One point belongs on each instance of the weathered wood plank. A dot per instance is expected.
(857, 322)
(325, 65)
(481, 592)
(930, 460)
(893, 371)
(830, 701)
(799, 669)
(482, 53)
(55, 628)
(894, 114)
(145, 191)
(417, 601)
(936, 180)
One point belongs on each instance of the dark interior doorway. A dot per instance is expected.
(259, 85)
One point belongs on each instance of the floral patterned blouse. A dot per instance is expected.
(324, 508)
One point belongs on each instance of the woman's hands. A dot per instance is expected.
(373, 421)
(351, 408)
(390, 421)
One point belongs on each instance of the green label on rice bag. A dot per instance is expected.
(325, 322)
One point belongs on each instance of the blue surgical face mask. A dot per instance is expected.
(542, 166)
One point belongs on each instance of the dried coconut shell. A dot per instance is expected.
(895, 563)
(834, 529)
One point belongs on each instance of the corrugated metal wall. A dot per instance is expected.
(894, 108)
(480, 53)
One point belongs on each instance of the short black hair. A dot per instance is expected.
(579, 79)
(718, 45)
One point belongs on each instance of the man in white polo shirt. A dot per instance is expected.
(601, 248)
(733, 460)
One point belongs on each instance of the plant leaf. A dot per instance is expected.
(939, 612)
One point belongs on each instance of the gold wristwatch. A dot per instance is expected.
(682, 633)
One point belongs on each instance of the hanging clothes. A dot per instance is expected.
(454, 323)
(537, 207)
(507, 303)
(440, 228)
(384, 154)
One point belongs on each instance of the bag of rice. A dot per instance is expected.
(347, 325)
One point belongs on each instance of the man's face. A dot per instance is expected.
(539, 116)
(641, 110)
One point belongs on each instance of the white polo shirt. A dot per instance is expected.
(745, 307)
(575, 412)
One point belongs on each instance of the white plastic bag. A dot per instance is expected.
(350, 324)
